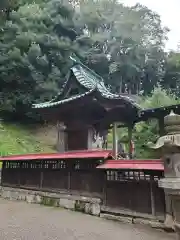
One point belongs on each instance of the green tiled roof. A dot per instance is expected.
(90, 81)
(52, 104)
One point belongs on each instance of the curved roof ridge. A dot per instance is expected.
(52, 104)
(82, 76)
(78, 62)
(89, 79)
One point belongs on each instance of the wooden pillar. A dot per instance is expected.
(90, 138)
(115, 141)
(130, 128)
(3, 172)
(20, 169)
(41, 178)
(69, 180)
(61, 145)
(105, 188)
(153, 209)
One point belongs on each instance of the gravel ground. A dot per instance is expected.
(19, 220)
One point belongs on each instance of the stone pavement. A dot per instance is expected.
(22, 221)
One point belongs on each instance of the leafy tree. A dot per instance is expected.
(145, 132)
(171, 78)
(36, 43)
(130, 44)
(124, 45)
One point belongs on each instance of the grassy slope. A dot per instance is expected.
(17, 139)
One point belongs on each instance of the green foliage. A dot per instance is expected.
(171, 79)
(37, 37)
(127, 48)
(35, 48)
(125, 45)
(16, 139)
(159, 98)
(145, 132)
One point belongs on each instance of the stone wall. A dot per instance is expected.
(92, 206)
(77, 203)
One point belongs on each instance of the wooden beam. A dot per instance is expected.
(122, 126)
(119, 126)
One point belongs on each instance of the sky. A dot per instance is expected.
(170, 16)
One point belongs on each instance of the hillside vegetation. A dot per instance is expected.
(19, 139)
(145, 132)
(124, 45)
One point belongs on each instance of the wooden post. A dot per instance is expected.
(115, 141)
(41, 179)
(69, 180)
(105, 188)
(61, 137)
(153, 208)
(2, 172)
(130, 128)
(19, 175)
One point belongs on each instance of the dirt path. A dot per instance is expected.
(22, 221)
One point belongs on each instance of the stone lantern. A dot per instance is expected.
(170, 148)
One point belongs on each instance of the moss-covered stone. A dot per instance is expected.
(47, 201)
(80, 206)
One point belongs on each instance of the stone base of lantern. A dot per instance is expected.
(172, 188)
(170, 185)
(177, 229)
(169, 222)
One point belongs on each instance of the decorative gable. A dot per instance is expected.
(82, 81)
(73, 88)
